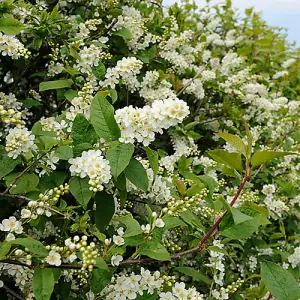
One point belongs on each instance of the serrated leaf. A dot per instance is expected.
(83, 131)
(43, 283)
(261, 157)
(7, 163)
(80, 189)
(153, 160)
(64, 152)
(11, 26)
(124, 33)
(154, 250)
(132, 226)
(99, 71)
(56, 84)
(103, 120)
(4, 249)
(238, 216)
(100, 279)
(136, 174)
(194, 274)
(235, 141)
(101, 264)
(105, 209)
(34, 246)
(26, 183)
(279, 281)
(231, 159)
(119, 155)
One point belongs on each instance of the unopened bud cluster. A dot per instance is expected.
(177, 206)
(10, 116)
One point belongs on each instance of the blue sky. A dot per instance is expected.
(283, 13)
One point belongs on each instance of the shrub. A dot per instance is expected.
(147, 152)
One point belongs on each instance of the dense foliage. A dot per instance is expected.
(147, 152)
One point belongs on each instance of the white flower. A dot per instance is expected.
(118, 240)
(11, 224)
(1, 284)
(72, 257)
(159, 223)
(53, 258)
(25, 213)
(107, 242)
(116, 259)
(120, 231)
(146, 228)
(19, 140)
(10, 237)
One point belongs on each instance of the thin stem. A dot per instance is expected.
(20, 197)
(10, 291)
(24, 171)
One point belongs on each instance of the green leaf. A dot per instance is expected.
(249, 140)
(191, 219)
(31, 103)
(7, 163)
(103, 120)
(100, 279)
(147, 296)
(132, 225)
(11, 26)
(71, 94)
(279, 281)
(194, 274)
(137, 175)
(153, 160)
(64, 152)
(124, 33)
(261, 157)
(78, 149)
(26, 183)
(154, 250)
(52, 180)
(43, 283)
(80, 189)
(238, 216)
(34, 246)
(105, 209)
(243, 230)
(209, 182)
(231, 159)
(101, 264)
(235, 141)
(99, 71)
(4, 249)
(56, 84)
(119, 155)
(83, 131)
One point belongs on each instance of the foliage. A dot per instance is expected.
(147, 152)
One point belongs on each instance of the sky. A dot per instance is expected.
(283, 13)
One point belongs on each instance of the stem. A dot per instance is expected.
(19, 197)
(10, 291)
(24, 171)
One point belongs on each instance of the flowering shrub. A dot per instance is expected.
(147, 152)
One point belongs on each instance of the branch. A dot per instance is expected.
(24, 171)
(10, 291)
(19, 197)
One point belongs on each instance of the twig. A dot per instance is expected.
(10, 291)
(24, 171)
(20, 197)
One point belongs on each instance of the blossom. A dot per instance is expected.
(93, 165)
(159, 223)
(53, 258)
(118, 240)
(19, 140)
(11, 224)
(146, 228)
(116, 259)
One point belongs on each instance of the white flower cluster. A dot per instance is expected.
(132, 20)
(131, 286)
(19, 140)
(141, 124)
(55, 68)
(11, 46)
(89, 57)
(92, 164)
(193, 87)
(294, 259)
(216, 261)
(126, 69)
(152, 88)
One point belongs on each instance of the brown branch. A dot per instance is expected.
(24, 171)
(13, 293)
(20, 197)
